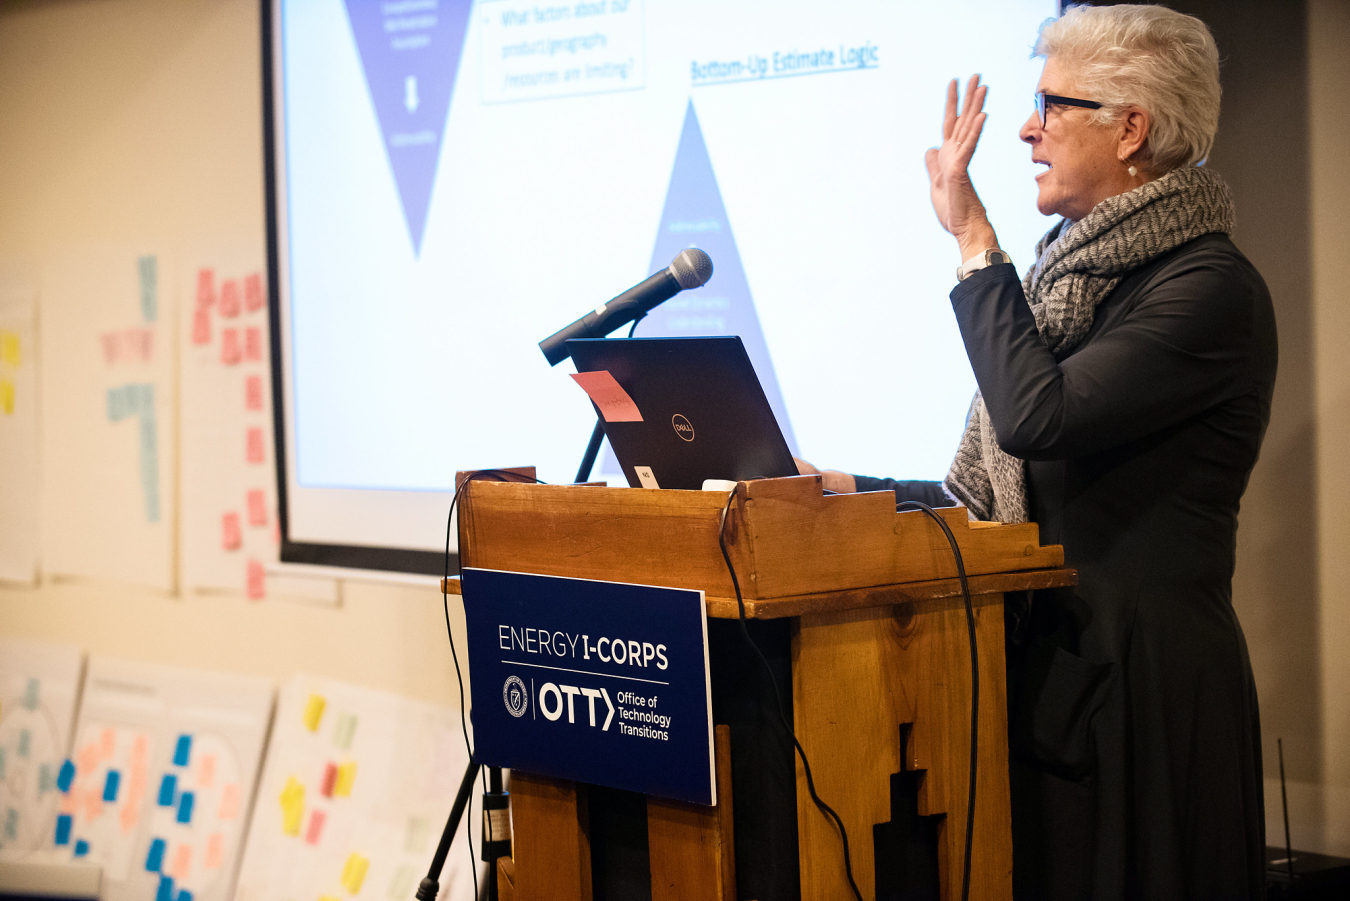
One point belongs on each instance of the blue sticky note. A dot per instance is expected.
(30, 694)
(81, 848)
(11, 825)
(182, 750)
(165, 892)
(184, 895)
(66, 776)
(155, 859)
(25, 743)
(168, 790)
(110, 785)
(63, 824)
(185, 808)
(147, 268)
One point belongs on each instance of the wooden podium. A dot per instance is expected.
(879, 642)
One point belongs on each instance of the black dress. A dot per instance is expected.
(1136, 757)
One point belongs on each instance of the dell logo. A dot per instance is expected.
(682, 427)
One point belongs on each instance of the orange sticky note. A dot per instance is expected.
(230, 537)
(88, 759)
(253, 344)
(256, 581)
(229, 298)
(608, 395)
(253, 296)
(229, 802)
(329, 780)
(182, 862)
(215, 851)
(254, 450)
(257, 508)
(253, 393)
(230, 354)
(206, 771)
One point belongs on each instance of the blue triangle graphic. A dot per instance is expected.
(411, 59)
(694, 216)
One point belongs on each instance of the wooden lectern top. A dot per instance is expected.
(796, 550)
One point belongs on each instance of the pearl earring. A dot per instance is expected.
(1133, 171)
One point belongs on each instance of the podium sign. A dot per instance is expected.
(600, 682)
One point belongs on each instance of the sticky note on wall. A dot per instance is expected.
(257, 508)
(354, 872)
(229, 298)
(253, 294)
(6, 397)
(230, 536)
(314, 712)
(147, 268)
(253, 344)
(230, 352)
(206, 287)
(253, 393)
(346, 777)
(255, 578)
(9, 349)
(254, 450)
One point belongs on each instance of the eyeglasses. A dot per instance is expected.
(1044, 100)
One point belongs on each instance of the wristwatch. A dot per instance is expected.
(991, 257)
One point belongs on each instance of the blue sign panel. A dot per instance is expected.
(601, 682)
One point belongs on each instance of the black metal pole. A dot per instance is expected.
(592, 449)
(427, 890)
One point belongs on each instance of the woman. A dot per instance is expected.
(1125, 386)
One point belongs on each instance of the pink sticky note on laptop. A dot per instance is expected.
(614, 403)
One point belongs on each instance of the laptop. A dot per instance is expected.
(704, 414)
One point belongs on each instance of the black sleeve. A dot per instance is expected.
(1180, 350)
(929, 493)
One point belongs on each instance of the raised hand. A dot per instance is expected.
(958, 207)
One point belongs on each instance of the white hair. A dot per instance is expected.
(1147, 56)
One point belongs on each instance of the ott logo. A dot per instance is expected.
(682, 426)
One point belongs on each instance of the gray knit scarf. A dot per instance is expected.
(1078, 264)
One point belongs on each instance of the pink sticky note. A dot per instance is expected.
(201, 324)
(329, 780)
(215, 851)
(139, 344)
(253, 344)
(111, 347)
(254, 451)
(253, 295)
(230, 537)
(206, 287)
(230, 352)
(257, 508)
(206, 771)
(256, 589)
(253, 393)
(229, 298)
(182, 862)
(315, 830)
(229, 802)
(607, 394)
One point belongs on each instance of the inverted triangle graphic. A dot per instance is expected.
(410, 53)
(695, 217)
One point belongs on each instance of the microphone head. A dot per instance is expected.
(692, 268)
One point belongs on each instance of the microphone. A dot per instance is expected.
(691, 269)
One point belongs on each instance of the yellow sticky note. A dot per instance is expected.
(327, 898)
(314, 712)
(7, 396)
(9, 348)
(292, 806)
(346, 775)
(354, 872)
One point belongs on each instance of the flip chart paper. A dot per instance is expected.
(19, 449)
(39, 685)
(108, 428)
(352, 774)
(153, 726)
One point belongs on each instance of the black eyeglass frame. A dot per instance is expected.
(1043, 100)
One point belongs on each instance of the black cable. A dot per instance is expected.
(502, 475)
(778, 697)
(974, 683)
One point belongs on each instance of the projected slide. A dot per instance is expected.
(458, 180)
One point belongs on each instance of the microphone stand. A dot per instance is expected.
(429, 886)
(598, 433)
